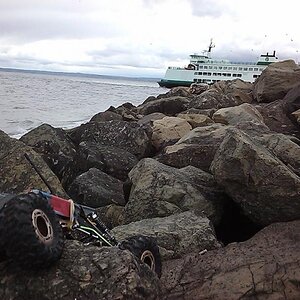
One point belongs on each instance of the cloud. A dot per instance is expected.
(209, 8)
(94, 35)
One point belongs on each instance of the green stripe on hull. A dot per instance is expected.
(173, 83)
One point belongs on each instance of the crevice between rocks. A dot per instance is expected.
(234, 225)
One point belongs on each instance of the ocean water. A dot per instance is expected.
(29, 99)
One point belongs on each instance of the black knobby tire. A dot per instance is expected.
(33, 237)
(145, 249)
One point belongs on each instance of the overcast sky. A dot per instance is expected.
(141, 37)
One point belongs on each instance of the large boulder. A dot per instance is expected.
(198, 88)
(149, 119)
(296, 115)
(54, 145)
(285, 148)
(168, 130)
(113, 161)
(264, 267)
(124, 135)
(292, 100)
(95, 188)
(196, 148)
(196, 120)
(276, 117)
(106, 116)
(279, 114)
(17, 173)
(83, 272)
(176, 235)
(159, 190)
(168, 106)
(276, 80)
(127, 111)
(223, 94)
(238, 114)
(264, 187)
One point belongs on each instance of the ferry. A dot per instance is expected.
(204, 69)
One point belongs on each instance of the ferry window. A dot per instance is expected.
(245, 69)
(239, 75)
(229, 68)
(255, 69)
(219, 74)
(240, 69)
(220, 68)
(224, 74)
(233, 75)
(209, 74)
(255, 76)
(225, 68)
(210, 67)
(200, 73)
(228, 74)
(234, 68)
(205, 67)
(250, 69)
(215, 67)
(204, 73)
(200, 67)
(214, 74)
(260, 69)
(195, 80)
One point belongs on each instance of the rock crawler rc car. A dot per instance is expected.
(33, 227)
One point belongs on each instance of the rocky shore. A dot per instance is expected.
(213, 172)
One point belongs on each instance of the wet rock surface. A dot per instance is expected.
(213, 199)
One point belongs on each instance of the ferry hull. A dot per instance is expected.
(173, 83)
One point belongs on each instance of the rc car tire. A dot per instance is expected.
(145, 249)
(33, 237)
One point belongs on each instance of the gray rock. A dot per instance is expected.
(113, 161)
(223, 94)
(17, 174)
(238, 114)
(276, 80)
(148, 119)
(124, 135)
(168, 130)
(264, 267)
(285, 148)
(95, 188)
(54, 145)
(106, 116)
(176, 235)
(168, 106)
(159, 190)
(196, 120)
(197, 148)
(111, 215)
(265, 188)
(85, 273)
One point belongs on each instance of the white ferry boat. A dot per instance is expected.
(204, 69)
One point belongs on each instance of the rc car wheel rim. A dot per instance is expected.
(42, 226)
(148, 258)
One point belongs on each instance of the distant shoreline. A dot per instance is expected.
(77, 74)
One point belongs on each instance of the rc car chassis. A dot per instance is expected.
(33, 227)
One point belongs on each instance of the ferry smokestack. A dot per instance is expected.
(274, 53)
